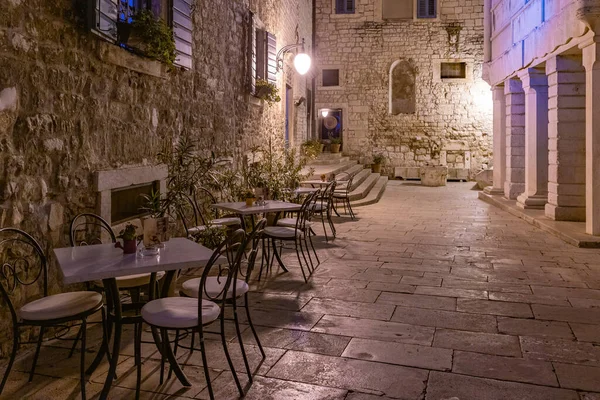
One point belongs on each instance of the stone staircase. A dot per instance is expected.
(367, 187)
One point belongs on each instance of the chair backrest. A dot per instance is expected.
(87, 229)
(307, 210)
(204, 199)
(232, 249)
(22, 263)
(253, 239)
(346, 178)
(327, 197)
(188, 213)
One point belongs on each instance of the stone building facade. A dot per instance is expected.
(542, 61)
(408, 87)
(73, 103)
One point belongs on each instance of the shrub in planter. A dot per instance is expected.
(266, 91)
(335, 145)
(378, 160)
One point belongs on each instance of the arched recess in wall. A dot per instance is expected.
(402, 91)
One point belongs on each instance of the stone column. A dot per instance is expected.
(514, 184)
(499, 141)
(566, 139)
(591, 62)
(535, 86)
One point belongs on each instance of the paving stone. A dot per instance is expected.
(283, 319)
(445, 319)
(560, 350)
(424, 281)
(400, 354)
(347, 283)
(365, 396)
(567, 292)
(530, 298)
(373, 329)
(476, 285)
(568, 314)
(446, 386)
(578, 377)
(290, 302)
(449, 292)
(586, 332)
(489, 343)
(504, 368)
(343, 293)
(377, 276)
(391, 287)
(390, 380)
(319, 343)
(349, 308)
(508, 309)
(274, 389)
(584, 303)
(589, 396)
(533, 327)
(418, 301)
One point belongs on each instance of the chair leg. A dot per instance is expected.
(75, 341)
(313, 249)
(176, 346)
(192, 342)
(300, 262)
(239, 335)
(352, 215)
(312, 265)
(82, 366)
(226, 350)
(37, 353)
(104, 349)
(205, 364)
(249, 318)
(324, 230)
(138, 358)
(13, 354)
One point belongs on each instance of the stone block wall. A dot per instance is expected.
(72, 103)
(364, 47)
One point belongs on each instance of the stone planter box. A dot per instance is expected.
(433, 176)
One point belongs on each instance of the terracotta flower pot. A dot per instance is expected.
(250, 201)
(376, 168)
(335, 147)
(129, 246)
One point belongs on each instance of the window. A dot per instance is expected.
(453, 70)
(104, 16)
(344, 6)
(331, 77)
(426, 8)
(263, 60)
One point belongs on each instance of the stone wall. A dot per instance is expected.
(447, 112)
(72, 104)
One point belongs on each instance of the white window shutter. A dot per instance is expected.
(182, 32)
(271, 58)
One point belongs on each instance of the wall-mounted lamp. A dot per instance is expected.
(324, 113)
(301, 61)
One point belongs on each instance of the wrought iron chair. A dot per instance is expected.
(193, 314)
(295, 230)
(24, 263)
(324, 206)
(215, 284)
(342, 194)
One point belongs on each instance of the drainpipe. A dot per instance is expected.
(487, 30)
(313, 84)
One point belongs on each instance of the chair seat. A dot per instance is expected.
(341, 195)
(61, 305)
(213, 287)
(227, 221)
(319, 207)
(283, 232)
(133, 281)
(290, 222)
(179, 312)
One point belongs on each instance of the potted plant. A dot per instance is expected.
(311, 149)
(148, 36)
(156, 206)
(129, 236)
(249, 196)
(211, 236)
(266, 91)
(323, 177)
(335, 144)
(378, 160)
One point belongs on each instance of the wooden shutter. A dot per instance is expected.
(340, 6)
(426, 8)
(350, 6)
(102, 18)
(182, 32)
(261, 54)
(271, 58)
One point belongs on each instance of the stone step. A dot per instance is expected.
(360, 177)
(328, 156)
(328, 169)
(329, 159)
(363, 189)
(374, 194)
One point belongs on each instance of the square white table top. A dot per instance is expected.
(305, 190)
(241, 208)
(103, 261)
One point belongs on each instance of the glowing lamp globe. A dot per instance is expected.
(302, 63)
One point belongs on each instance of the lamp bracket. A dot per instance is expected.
(286, 49)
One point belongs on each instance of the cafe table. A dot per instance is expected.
(105, 262)
(270, 206)
(317, 182)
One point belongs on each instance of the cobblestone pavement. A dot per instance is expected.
(431, 294)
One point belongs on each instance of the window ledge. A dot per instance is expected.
(116, 55)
